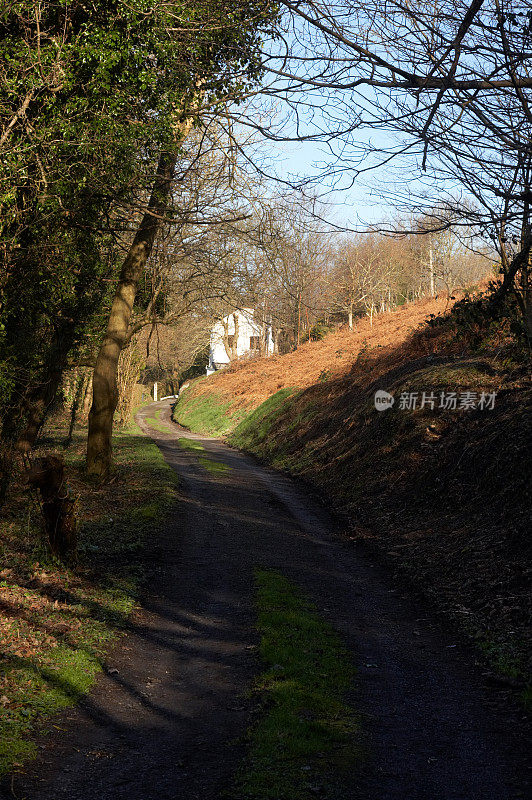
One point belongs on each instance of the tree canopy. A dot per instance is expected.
(91, 93)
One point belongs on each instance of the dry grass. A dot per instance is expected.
(249, 383)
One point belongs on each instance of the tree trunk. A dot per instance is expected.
(298, 318)
(21, 429)
(41, 397)
(38, 406)
(237, 334)
(87, 393)
(104, 386)
(526, 294)
(231, 346)
(76, 402)
(57, 505)
(519, 262)
(526, 271)
(431, 270)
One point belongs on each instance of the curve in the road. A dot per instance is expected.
(168, 724)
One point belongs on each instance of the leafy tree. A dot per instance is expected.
(93, 96)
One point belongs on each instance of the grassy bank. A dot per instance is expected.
(440, 492)
(209, 413)
(57, 623)
(304, 742)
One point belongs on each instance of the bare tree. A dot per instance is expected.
(195, 192)
(294, 254)
(365, 275)
(437, 93)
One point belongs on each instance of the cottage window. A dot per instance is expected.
(254, 342)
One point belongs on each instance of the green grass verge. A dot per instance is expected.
(257, 425)
(44, 686)
(304, 743)
(67, 618)
(207, 414)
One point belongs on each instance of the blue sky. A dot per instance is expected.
(357, 205)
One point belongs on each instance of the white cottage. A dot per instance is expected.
(236, 335)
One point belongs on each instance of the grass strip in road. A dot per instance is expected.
(190, 444)
(305, 741)
(157, 425)
(212, 466)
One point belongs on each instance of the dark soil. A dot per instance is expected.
(166, 720)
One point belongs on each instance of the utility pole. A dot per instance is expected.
(298, 316)
(431, 267)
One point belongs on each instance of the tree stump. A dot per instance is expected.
(47, 474)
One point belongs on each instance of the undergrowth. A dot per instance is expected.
(57, 622)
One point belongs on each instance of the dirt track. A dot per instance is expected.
(167, 724)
